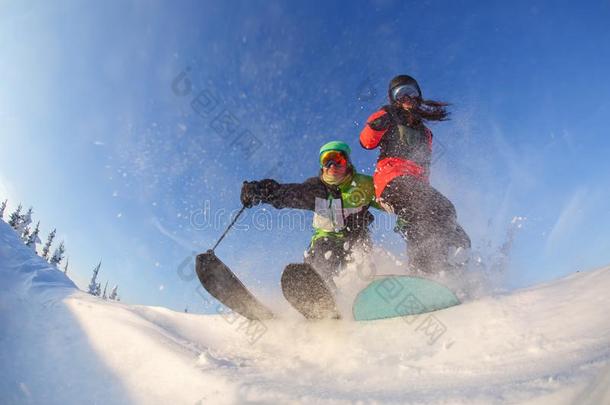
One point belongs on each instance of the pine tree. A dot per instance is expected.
(47, 246)
(25, 220)
(94, 286)
(66, 266)
(2, 208)
(33, 239)
(105, 287)
(15, 218)
(113, 294)
(58, 254)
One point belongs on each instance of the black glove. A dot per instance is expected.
(250, 194)
(256, 192)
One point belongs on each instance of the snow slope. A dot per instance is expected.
(548, 344)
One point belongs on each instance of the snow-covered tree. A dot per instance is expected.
(58, 254)
(94, 286)
(2, 208)
(104, 296)
(26, 234)
(113, 294)
(47, 246)
(66, 266)
(33, 238)
(15, 218)
(25, 220)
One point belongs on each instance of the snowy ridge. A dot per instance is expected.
(548, 344)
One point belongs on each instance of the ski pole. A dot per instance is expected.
(229, 227)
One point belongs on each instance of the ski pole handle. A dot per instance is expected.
(229, 227)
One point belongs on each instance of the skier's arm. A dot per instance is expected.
(374, 129)
(290, 195)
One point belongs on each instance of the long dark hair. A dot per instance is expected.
(422, 111)
(430, 110)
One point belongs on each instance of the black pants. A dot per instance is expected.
(328, 255)
(431, 222)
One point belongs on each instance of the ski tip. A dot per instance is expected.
(205, 255)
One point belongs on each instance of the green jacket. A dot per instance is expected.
(339, 211)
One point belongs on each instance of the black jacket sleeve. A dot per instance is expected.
(292, 195)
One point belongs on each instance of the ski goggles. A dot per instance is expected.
(404, 91)
(332, 158)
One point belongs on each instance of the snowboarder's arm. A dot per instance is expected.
(374, 129)
(290, 195)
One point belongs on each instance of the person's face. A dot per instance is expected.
(407, 103)
(335, 170)
(334, 166)
(405, 96)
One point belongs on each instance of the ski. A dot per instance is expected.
(223, 284)
(305, 290)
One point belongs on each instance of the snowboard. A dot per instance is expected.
(395, 296)
(222, 284)
(307, 292)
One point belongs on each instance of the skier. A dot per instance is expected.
(426, 218)
(340, 199)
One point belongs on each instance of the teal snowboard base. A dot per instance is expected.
(394, 296)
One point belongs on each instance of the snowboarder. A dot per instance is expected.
(428, 219)
(340, 198)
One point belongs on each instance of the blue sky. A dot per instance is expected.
(98, 131)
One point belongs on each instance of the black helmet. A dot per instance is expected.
(402, 80)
